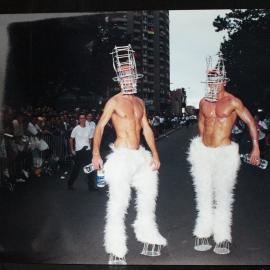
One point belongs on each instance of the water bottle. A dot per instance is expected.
(263, 162)
(88, 168)
(100, 180)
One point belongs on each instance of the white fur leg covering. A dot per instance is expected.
(226, 168)
(145, 182)
(125, 168)
(202, 181)
(214, 172)
(117, 176)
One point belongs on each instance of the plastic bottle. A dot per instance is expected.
(263, 162)
(100, 179)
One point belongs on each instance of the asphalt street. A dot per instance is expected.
(43, 222)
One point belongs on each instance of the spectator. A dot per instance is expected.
(89, 123)
(81, 152)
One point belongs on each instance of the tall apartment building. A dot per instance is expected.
(148, 33)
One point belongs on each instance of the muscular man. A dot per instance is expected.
(129, 164)
(215, 161)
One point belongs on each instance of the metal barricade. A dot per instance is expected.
(58, 156)
(7, 164)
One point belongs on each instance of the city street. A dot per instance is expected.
(43, 222)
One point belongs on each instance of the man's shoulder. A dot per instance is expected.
(114, 99)
(235, 101)
(202, 102)
(139, 100)
(118, 97)
(76, 127)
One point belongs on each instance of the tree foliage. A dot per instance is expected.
(246, 49)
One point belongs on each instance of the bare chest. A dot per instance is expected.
(218, 110)
(129, 110)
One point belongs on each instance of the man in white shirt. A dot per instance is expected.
(80, 146)
(90, 123)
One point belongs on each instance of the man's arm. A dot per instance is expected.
(105, 117)
(150, 139)
(201, 120)
(71, 144)
(246, 116)
(71, 141)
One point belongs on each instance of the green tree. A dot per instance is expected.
(246, 49)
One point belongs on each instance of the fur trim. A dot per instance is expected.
(214, 172)
(126, 168)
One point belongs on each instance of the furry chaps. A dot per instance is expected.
(126, 168)
(214, 172)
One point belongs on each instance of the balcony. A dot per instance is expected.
(122, 27)
(161, 26)
(136, 21)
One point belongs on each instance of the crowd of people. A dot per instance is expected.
(35, 141)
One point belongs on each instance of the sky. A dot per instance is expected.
(192, 39)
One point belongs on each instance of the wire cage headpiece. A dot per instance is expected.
(125, 67)
(215, 76)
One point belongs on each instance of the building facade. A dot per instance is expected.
(178, 99)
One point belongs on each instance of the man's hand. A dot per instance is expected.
(255, 157)
(155, 164)
(97, 162)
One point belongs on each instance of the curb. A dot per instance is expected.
(167, 133)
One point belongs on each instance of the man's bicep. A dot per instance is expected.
(107, 113)
(242, 112)
(201, 116)
(145, 123)
(201, 122)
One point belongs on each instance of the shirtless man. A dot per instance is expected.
(215, 161)
(129, 164)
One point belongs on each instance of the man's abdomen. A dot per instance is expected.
(216, 136)
(131, 142)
